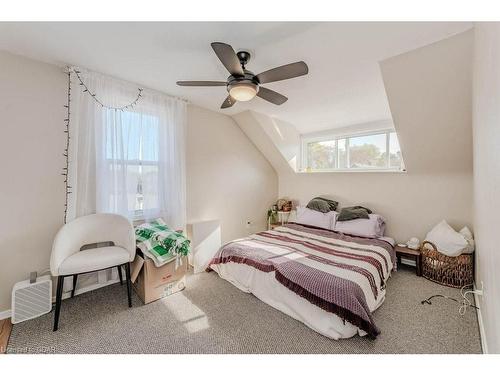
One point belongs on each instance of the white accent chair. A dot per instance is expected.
(88, 244)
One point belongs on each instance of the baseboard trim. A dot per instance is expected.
(5, 314)
(482, 335)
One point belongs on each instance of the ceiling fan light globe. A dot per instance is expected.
(243, 91)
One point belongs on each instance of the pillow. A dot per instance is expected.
(447, 240)
(314, 218)
(468, 237)
(372, 227)
(355, 212)
(322, 204)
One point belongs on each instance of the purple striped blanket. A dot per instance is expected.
(341, 274)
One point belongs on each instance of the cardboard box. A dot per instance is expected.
(152, 283)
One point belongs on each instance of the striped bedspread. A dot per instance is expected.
(338, 273)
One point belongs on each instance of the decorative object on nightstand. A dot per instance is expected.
(413, 243)
(284, 205)
(279, 213)
(406, 252)
(272, 217)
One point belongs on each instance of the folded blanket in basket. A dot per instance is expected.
(160, 243)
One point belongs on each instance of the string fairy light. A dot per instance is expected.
(94, 96)
(65, 172)
(66, 149)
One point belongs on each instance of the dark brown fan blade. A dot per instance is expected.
(228, 102)
(228, 57)
(271, 96)
(280, 73)
(201, 83)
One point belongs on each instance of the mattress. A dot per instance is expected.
(264, 277)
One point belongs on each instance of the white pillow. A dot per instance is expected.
(373, 227)
(315, 218)
(468, 237)
(447, 240)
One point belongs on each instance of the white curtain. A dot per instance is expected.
(130, 161)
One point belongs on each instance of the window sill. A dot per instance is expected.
(353, 171)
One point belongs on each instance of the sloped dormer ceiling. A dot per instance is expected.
(277, 140)
(429, 92)
(430, 97)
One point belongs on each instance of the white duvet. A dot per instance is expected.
(266, 288)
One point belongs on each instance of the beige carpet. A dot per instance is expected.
(212, 316)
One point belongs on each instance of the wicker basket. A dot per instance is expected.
(450, 271)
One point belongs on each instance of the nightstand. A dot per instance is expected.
(411, 254)
(283, 216)
(282, 219)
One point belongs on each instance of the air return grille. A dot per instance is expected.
(30, 300)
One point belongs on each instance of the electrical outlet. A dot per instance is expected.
(481, 292)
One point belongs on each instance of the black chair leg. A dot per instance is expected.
(60, 284)
(120, 274)
(129, 286)
(75, 277)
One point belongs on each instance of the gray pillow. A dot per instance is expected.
(355, 212)
(322, 204)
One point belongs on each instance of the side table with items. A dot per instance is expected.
(282, 219)
(406, 252)
(279, 213)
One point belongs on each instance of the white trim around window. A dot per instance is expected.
(305, 140)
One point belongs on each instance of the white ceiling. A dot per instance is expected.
(343, 87)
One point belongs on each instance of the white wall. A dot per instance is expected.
(32, 96)
(486, 125)
(429, 92)
(411, 203)
(227, 177)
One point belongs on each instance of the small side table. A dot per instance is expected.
(282, 220)
(283, 216)
(412, 254)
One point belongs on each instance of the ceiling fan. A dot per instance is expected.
(243, 85)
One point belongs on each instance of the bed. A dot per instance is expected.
(329, 281)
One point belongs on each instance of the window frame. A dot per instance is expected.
(136, 214)
(305, 140)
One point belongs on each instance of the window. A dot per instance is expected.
(395, 157)
(132, 159)
(364, 152)
(321, 155)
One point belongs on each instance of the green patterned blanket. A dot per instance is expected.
(160, 243)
